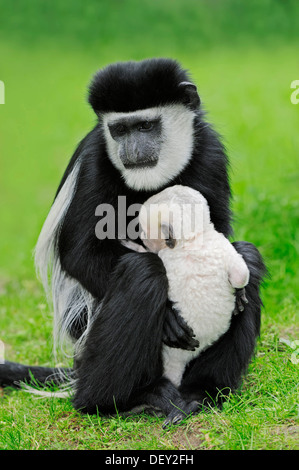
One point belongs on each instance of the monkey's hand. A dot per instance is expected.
(241, 299)
(176, 332)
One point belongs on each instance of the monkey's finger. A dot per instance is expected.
(180, 323)
(174, 339)
(187, 343)
(174, 336)
(240, 299)
(243, 296)
(182, 330)
(172, 342)
(168, 333)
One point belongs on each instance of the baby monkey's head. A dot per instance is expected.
(173, 217)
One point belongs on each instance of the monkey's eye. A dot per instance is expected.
(145, 126)
(117, 130)
(121, 129)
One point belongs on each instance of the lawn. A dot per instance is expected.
(243, 65)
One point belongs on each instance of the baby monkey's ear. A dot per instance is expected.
(167, 231)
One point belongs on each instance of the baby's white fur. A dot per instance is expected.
(203, 269)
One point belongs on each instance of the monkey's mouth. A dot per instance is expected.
(140, 165)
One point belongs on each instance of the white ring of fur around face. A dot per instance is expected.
(176, 147)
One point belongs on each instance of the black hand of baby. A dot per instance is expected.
(176, 332)
(241, 299)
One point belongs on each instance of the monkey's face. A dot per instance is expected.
(150, 147)
(146, 110)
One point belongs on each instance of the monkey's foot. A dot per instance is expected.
(177, 415)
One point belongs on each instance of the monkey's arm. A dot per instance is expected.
(176, 332)
(238, 272)
(92, 263)
(123, 347)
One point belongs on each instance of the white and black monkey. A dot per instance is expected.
(151, 133)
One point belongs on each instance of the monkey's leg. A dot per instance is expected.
(220, 367)
(122, 351)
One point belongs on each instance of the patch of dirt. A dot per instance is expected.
(191, 437)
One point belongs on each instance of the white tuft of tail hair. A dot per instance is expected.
(64, 392)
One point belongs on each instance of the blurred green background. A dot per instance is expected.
(243, 57)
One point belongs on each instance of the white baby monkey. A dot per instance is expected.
(202, 267)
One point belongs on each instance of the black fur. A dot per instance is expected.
(129, 86)
(121, 362)
(108, 341)
(11, 373)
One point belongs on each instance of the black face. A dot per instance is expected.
(139, 141)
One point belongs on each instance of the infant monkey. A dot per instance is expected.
(203, 268)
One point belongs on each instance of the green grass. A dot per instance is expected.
(264, 415)
(243, 71)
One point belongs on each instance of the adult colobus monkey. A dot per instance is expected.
(150, 134)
